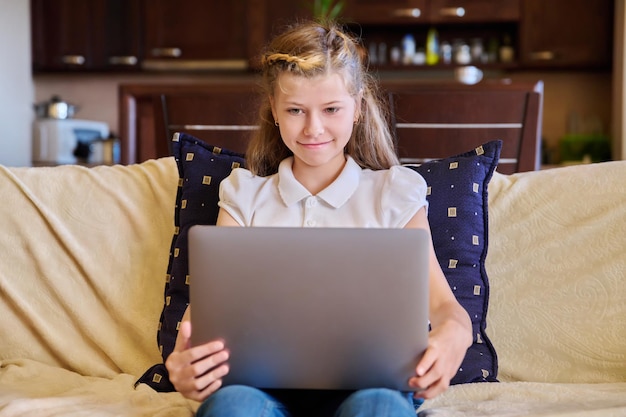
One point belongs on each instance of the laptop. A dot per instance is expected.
(312, 308)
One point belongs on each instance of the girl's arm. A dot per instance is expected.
(196, 372)
(451, 333)
(225, 219)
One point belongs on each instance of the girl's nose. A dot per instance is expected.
(314, 126)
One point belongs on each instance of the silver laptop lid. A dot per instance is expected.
(316, 308)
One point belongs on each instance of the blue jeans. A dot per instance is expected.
(244, 401)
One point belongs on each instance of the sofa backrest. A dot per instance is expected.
(557, 269)
(83, 260)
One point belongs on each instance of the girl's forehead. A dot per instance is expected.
(288, 84)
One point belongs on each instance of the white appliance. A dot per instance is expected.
(55, 140)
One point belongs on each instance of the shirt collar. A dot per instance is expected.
(336, 194)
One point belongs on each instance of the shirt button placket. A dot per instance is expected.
(309, 211)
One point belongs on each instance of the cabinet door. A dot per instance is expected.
(566, 33)
(62, 35)
(119, 22)
(458, 11)
(75, 35)
(195, 32)
(390, 11)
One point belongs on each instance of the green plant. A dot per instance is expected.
(327, 9)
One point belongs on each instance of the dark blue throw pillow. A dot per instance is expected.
(201, 168)
(458, 217)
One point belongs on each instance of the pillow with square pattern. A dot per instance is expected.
(201, 168)
(457, 185)
(458, 216)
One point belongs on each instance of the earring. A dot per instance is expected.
(275, 123)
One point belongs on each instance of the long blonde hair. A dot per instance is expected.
(309, 49)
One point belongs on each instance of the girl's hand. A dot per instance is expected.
(446, 349)
(196, 372)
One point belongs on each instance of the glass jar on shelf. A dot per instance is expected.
(446, 52)
(461, 51)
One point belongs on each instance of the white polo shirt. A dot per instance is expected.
(357, 198)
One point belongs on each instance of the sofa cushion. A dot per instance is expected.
(458, 216)
(557, 270)
(82, 256)
(202, 167)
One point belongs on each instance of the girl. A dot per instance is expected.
(323, 157)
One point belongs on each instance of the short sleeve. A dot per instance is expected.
(403, 194)
(236, 195)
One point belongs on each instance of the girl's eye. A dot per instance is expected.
(294, 111)
(332, 109)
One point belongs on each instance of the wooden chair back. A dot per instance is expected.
(437, 120)
(223, 117)
(430, 120)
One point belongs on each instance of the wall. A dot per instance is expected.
(96, 95)
(16, 84)
(567, 95)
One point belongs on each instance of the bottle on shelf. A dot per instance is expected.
(506, 52)
(461, 52)
(373, 53)
(477, 51)
(382, 53)
(432, 47)
(408, 49)
(493, 48)
(420, 57)
(395, 55)
(446, 52)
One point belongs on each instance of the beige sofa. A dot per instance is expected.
(83, 254)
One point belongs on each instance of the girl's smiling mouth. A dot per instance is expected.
(314, 145)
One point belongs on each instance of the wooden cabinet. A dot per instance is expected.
(195, 34)
(384, 25)
(121, 35)
(119, 25)
(74, 35)
(566, 33)
(61, 35)
(114, 35)
(266, 18)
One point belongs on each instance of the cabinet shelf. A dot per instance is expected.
(443, 67)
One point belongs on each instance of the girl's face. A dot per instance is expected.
(316, 117)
